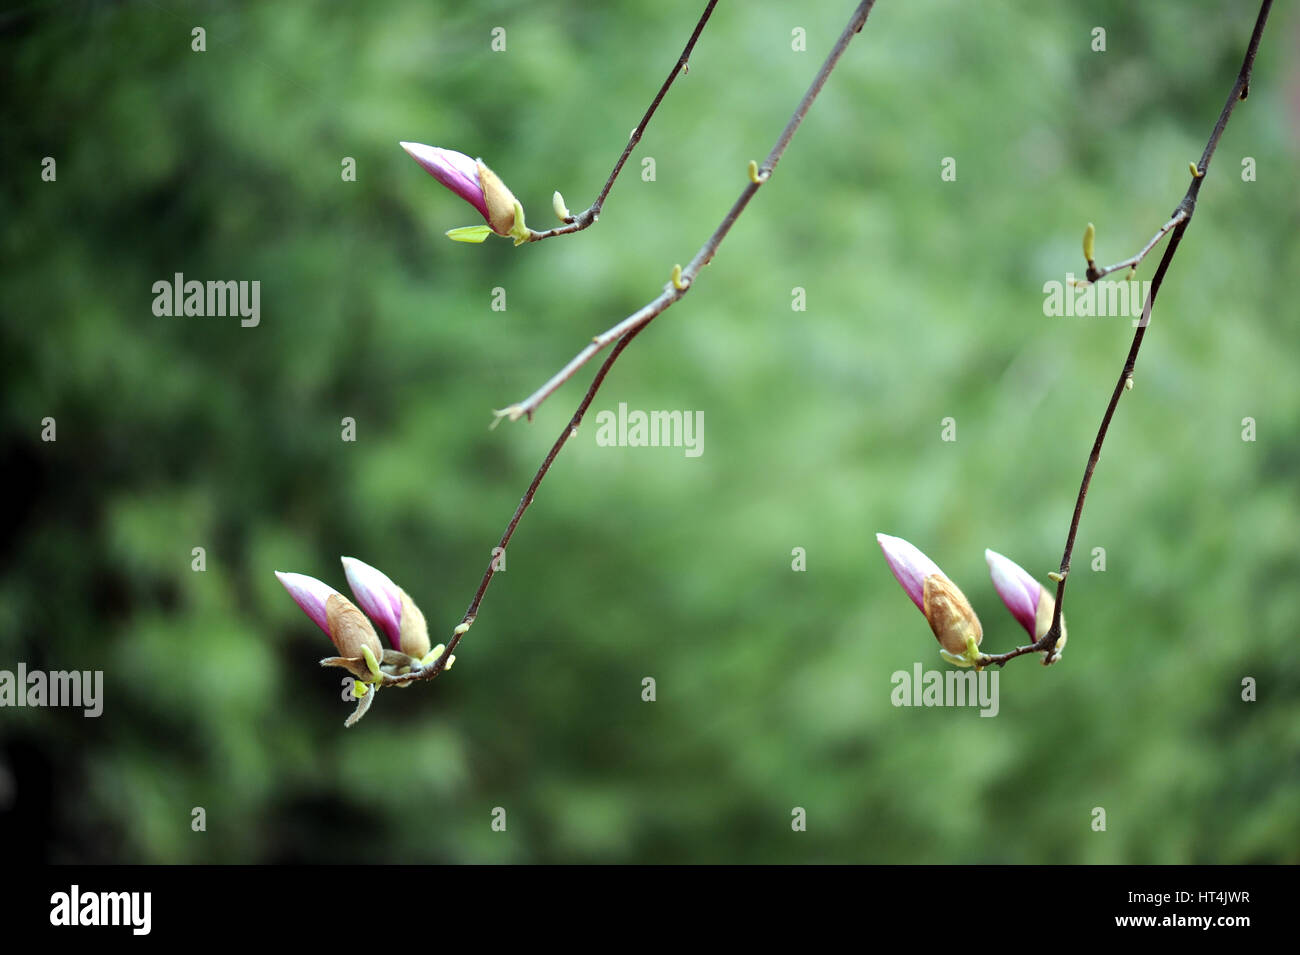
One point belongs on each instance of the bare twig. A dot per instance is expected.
(629, 328)
(570, 429)
(683, 277)
(1178, 222)
(1000, 659)
(1133, 261)
(589, 215)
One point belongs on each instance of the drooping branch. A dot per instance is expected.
(1176, 227)
(682, 278)
(624, 332)
(589, 215)
(570, 429)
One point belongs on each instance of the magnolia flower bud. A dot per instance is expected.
(310, 594)
(500, 200)
(389, 606)
(456, 171)
(351, 632)
(346, 626)
(1029, 601)
(946, 608)
(415, 632)
(950, 614)
(479, 186)
(378, 596)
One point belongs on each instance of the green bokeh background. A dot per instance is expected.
(924, 300)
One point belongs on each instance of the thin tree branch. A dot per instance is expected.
(632, 326)
(589, 215)
(683, 277)
(1179, 222)
(1133, 261)
(570, 429)
(1000, 659)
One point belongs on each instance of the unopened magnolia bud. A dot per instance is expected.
(390, 607)
(310, 594)
(950, 615)
(415, 633)
(453, 169)
(1029, 601)
(351, 632)
(946, 608)
(378, 597)
(500, 201)
(1089, 236)
(477, 185)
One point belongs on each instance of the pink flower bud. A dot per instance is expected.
(389, 606)
(946, 609)
(378, 596)
(472, 181)
(1029, 601)
(310, 594)
(1019, 591)
(454, 170)
(909, 565)
(342, 622)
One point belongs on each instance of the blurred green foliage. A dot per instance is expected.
(924, 300)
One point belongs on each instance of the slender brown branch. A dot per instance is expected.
(681, 280)
(1180, 220)
(570, 429)
(1000, 659)
(588, 216)
(629, 328)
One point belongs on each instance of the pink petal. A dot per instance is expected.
(310, 594)
(909, 565)
(378, 596)
(1018, 590)
(454, 170)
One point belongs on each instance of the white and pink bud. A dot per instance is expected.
(310, 594)
(478, 185)
(1030, 602)
(389, 606)
(946, 609)
(346, 626)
